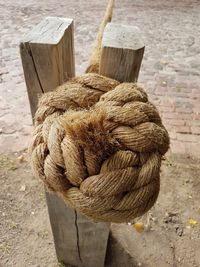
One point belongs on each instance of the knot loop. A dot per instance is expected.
(98, 144)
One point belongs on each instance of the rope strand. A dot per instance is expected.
(96, 53)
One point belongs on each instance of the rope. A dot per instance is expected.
(96, 54)
(98, 144)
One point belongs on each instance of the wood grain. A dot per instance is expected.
(47, 54)
(122, 52)
(78, 240)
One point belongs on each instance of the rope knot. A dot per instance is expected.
(99, 144)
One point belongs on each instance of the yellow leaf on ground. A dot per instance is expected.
(192, 222)
(139, 227)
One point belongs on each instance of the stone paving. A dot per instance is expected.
(170, 71)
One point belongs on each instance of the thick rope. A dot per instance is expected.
(99, 144)
(96, 53)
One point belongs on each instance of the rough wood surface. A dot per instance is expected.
(47, 53)
(64, 229)
(93, 238)
(122, 52)
(78, 240)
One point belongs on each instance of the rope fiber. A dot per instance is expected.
(96, 53)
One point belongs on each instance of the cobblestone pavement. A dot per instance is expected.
(170, 71)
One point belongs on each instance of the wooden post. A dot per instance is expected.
(122, 52)
(47, 54)
(48, 60)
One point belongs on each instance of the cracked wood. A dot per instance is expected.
(47, 54)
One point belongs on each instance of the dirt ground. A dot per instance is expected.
(170, 237)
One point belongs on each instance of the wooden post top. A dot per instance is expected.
(122, 52)
(49, 31)
(47, 54)
(122, 36)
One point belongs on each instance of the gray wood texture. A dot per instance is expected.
(47, 54)
(122, 52)
(78, 240)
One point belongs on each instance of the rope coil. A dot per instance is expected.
(99, 144)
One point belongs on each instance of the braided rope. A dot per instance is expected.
(98, 144)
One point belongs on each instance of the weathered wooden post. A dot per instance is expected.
(47, 54)
(122, 52)
(48, 60)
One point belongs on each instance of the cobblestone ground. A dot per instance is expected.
(170, 71)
